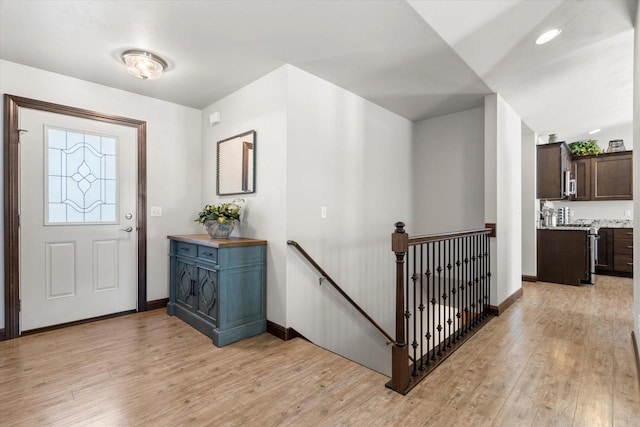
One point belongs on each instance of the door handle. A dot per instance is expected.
(128, 229)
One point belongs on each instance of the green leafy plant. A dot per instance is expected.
(585, 148)
(224, 213)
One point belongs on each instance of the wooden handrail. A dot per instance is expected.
(339, 289)
(446, 236)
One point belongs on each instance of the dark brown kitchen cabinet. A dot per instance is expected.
(612, 176)
(623, 250)
(604, 261)
(606, 176)
(563, 256)
(615, 252)
(553, 160)
(581, 173)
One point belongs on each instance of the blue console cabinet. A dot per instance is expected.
(218, 286)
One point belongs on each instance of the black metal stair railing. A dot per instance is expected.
(442, 298)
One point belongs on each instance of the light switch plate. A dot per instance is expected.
(156, 211)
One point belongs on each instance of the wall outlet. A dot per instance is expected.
(627, 213)
(323, 212)
(155, 211)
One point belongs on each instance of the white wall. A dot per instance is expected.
(353, 157)
(260, 106)
(602, 209)
(529, 208)
(448, 193)
(503, 147)
(173, 154)
(636, 176)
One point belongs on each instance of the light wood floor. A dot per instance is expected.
(561, 356)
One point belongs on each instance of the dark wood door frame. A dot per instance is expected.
(12, 193)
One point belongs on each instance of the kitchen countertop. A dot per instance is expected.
(586, 224)
(561, 227)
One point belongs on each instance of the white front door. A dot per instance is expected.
(78, 243)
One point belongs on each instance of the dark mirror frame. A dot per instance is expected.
(246, 186)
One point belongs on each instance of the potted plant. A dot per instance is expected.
(220, 219)
(584, 148)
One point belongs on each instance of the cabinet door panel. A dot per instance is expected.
(611, 178)
(582, 175)
(185, 280)
(243, 296)
(207, 304)
(605, 249)
(551, 160)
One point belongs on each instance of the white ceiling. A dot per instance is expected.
(419, 59)
(580, 81)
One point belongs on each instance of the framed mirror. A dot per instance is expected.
(236, 158)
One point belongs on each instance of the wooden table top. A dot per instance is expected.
(204, 239)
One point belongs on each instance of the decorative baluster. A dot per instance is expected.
(429, 323)
(433, 300)
(465, 288)
(439, 327)
(414, 343)
(487, 239)
(456, 288)
(421, 307)
(474, 288)
(488, 270)
(449, 296)
(470, 285)
(483, 276)
(479, 285)
(477, 281)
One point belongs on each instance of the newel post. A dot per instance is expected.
(400, 351)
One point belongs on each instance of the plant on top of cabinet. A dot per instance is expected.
(585, 148)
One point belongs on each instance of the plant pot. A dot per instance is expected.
(219, 230)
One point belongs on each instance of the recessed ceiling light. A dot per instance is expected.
(547, 36)
(594, 131)
(143, 65)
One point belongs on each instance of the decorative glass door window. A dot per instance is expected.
(81, 177)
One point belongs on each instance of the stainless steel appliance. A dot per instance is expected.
(593, 237)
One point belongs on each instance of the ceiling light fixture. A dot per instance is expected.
(547, 36)
(594, 131)
(143, 65)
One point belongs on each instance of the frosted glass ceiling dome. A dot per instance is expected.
(144, 65)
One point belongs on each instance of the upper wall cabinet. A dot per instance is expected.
(612, 176)
(581, 174)
(607, 176)
(554, 164)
